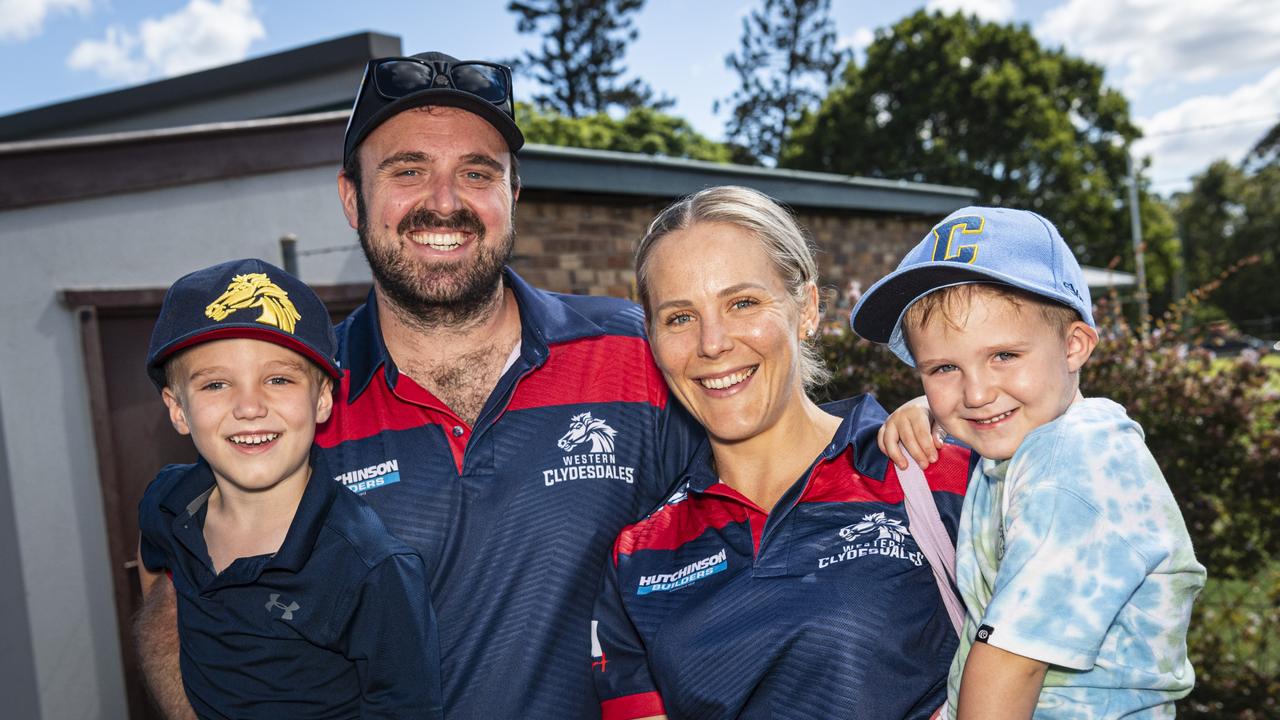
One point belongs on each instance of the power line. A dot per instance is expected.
(1215, 126)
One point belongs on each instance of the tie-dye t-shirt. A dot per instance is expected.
(1073, 552)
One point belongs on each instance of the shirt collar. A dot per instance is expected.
(862, 418)
(995, 469)
(189, 495)
(545, 320)
(310, 517)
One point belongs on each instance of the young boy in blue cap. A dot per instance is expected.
(1073, 560)
(293, 600)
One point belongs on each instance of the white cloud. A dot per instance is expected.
(1149, 40)
(1231, 123)
(110, 57)
(999, 11)
(21, 19)
(204, 34)
(857, 43)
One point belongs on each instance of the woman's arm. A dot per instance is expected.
(999, 685)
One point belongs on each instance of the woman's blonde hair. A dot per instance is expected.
(788, 246)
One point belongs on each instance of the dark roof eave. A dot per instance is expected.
(546, 167)
(44, 171)
(278, 68)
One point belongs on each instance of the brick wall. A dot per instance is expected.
(586, 246)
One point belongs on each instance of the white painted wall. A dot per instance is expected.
(138, 240)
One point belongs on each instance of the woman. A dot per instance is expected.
(781, 580)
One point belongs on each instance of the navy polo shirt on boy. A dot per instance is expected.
(336, 624)
(822, 608)
(514, 515)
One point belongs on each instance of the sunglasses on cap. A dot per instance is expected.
(399, 77)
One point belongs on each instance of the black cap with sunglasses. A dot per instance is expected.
(394, 84)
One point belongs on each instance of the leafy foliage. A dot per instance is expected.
(642, 130)
(785, 44)
(580, 59)
(1231, 213)
(1267, 150)
(1235, 650)
(954, 100)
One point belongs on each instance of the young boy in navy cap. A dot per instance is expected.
(1072, 558)
(293, 600)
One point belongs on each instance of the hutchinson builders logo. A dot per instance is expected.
(876, 534)
(687, 575)
(364, 479)
(588, 462)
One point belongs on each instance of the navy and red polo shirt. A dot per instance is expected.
(307, 631)
(515, 515)
(822, 608)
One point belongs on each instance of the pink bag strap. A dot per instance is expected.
(930, 534)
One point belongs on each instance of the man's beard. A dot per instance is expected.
(436, 296)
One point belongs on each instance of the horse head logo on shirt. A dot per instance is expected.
(886, 528)
(584, 427)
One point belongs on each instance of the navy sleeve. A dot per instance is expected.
(391, 636)
(154, 533)
(619, 664)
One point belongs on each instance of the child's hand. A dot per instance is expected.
(912, 425)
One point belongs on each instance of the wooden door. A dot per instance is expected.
(132, 434)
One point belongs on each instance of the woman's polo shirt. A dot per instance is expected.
(824, 607)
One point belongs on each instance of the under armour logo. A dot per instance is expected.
(274, 603)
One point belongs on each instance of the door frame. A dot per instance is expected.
(90, 308)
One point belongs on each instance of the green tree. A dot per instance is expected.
(580, 59)
(787, 45)
(1231, 214)
(954, 100)
(642, 130)
(1267, 150)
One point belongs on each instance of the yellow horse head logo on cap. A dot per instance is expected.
(255, 290)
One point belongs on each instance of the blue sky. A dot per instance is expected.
(1203, 77)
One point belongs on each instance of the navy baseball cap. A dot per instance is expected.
(247, 298)
(392, 85)
(973, 245)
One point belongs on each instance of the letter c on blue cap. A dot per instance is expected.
(969, 225)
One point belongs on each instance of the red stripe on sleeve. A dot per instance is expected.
(675, 525)
(611, 368)
(951, 472)
(837, 481)
(629, 707)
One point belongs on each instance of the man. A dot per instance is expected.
(505, 433)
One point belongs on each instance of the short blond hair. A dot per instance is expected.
(952, 304)
(788, 246)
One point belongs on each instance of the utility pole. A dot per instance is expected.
(1139, 262)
